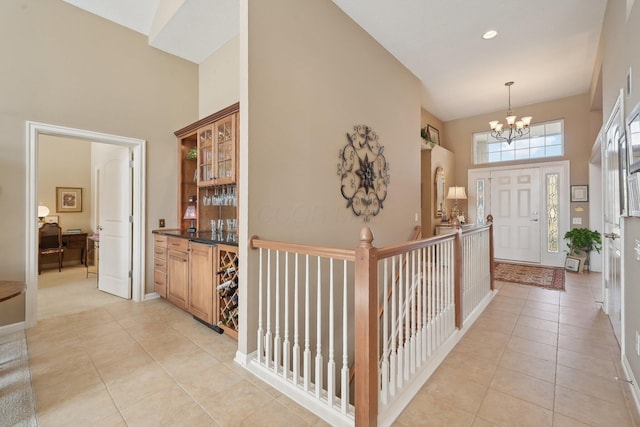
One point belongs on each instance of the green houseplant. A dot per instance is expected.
(425, 135)
(583, 241)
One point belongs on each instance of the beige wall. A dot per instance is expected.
(219, 79)
(67, 67)
(620, 51)
(311, 79)
(581, 126)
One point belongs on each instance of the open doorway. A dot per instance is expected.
(35, 131)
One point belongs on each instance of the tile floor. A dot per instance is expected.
(534, 358)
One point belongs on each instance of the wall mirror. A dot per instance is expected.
(633, 147)
(439, 191)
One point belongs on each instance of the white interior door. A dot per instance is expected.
(515, 196)
(612, 208)
(114, 210)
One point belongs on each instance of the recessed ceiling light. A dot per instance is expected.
(489, 34)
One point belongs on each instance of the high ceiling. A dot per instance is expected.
(547, 47)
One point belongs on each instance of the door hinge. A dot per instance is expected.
(131, 164)
(130, 274)
(130, 219)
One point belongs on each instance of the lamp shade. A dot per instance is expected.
(456, 193)
(42, 211)
(190, 213)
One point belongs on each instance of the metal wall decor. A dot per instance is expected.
(364, 172)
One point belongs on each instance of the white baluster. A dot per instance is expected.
(400, 324)
(394, 338)
(276, 341)
(296, 334)
(345, 347)
(385, 336)
(319, 334)
(286, 344)
(331, 364)
(260, 338)
(307, 336)
(412, 299)
(268, 334)
(407, 317)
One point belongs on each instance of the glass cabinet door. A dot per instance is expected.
(205, 156)
(225, 150)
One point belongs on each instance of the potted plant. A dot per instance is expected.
(425, 135)
(581, 241)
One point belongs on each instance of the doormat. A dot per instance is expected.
(532, 275)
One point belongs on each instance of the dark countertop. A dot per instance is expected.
(202, 236)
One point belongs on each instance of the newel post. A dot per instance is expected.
(366, 331)
(457, 279)
(491, 259)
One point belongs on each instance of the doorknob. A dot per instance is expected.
(612, 236)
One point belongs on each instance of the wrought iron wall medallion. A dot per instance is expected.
(364, 172)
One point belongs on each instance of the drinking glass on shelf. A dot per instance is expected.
(220, 225)
(213, 226)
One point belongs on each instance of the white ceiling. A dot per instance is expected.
(547, 47)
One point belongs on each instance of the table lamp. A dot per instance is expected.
(43, 211)
(455, 194)
(191, 214)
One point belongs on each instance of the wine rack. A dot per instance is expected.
(227, 289)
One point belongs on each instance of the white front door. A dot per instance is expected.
(612, 208)
(114, 210)
(515, 196)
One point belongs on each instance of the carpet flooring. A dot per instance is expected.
(532, 275)
(17, 405)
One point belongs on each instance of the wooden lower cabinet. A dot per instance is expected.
(201, 293)
(178, 272)
(160, 265)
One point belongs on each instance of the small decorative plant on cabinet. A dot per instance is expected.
(581, 241)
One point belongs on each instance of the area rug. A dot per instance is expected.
(543, 277)
(17, 405)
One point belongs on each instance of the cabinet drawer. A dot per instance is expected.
(160, 265)
(159, 252)
(160, 241)
(177, 244)
(160, 283)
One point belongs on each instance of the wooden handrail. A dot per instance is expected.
(321, 251)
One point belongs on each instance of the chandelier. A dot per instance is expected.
(515, 128)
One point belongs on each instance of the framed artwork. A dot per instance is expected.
(434, 134)
(51, 219)
(572, 264)
(68, 199)
(579, 193)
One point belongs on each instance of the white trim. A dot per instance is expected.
(138, 148)
(151, 295)
(14, 327)
(635, 390)
(243, 359)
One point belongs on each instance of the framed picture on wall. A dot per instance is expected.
(434, 134)
(68, 199)
(579, 193)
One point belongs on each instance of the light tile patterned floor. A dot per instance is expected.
(534, 358)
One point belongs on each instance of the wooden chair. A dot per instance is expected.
(50, 242)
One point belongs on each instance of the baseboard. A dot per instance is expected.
(635, 390)
(151, 295)
(14, 327)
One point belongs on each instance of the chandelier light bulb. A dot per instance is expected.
(515, 128)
